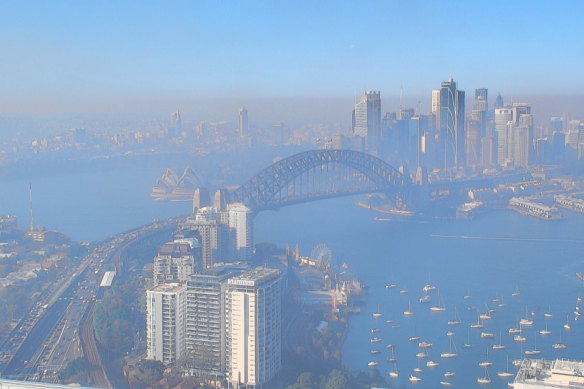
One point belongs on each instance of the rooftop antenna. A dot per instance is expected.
(31, 219)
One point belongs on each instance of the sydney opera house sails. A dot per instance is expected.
(172, 187)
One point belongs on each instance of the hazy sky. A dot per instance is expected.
(55, 53)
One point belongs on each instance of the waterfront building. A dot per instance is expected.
(451, 124)
(367, 120)
(165, 322)
(243, 123)
(544, 374)
(205, 321)
(176, 261)
(253, 313)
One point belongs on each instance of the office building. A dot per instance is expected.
(243, 123)
(165, 322)
(522, 141)
(451, 124)
(367, 120)
(254, 328)
(544, 374)
(176, 261)
(503, 117)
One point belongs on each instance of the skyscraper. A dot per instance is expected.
(367, 120)
(503, 116)
(165, 322)
(451, 124)
(477, 127)
(254, 325)
(243, 123)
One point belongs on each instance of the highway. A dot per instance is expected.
(59, 326)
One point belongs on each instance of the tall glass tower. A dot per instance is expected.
(367, 120)
(451, 124)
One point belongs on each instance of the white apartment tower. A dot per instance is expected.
(165, 322)
(240, 222)
(254, 328)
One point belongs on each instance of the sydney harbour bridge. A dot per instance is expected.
(322, 174)
(318, 174)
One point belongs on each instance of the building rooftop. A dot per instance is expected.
(168, 288)
(251, 277)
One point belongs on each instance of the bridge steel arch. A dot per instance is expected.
(259, 192)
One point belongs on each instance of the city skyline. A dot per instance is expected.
(181, 51)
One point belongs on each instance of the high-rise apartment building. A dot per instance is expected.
(240, 223)
(176, 261)
(367, 120)
(212, 233)
(205, 321)
(165, 322)
(254, 328)
(243, 123)
(451, 124)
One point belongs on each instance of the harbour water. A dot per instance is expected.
(489, 258)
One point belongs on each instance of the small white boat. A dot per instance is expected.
(393, 374)
(424, 299)
(513, 331)
(432, 364)
(485, 364)
(422, 355)
(409, 311)
(451, 352)
(526, 322)
(417, 370)
(567, 325)
(545, 332)
(414, 338)
(449, 374)
(377, 313)
(428, 288)
(403, 291)
(390, 286)
(516, 292)
(445, 383)
(374, 330)
(487, 335)
(389, 346)
(505, 374)
(375, 340)
(389, 321)
(559, 346)
(532, 352)
(372, 364)
(484, 380)
(414, 379)
(499, 346)
(424, 344)
(373, 352)
(519, 338)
